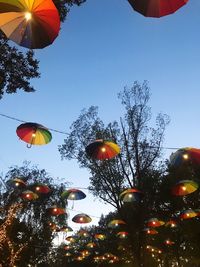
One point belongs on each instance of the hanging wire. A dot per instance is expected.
(62, 132)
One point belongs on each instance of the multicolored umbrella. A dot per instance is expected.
(73, 194)
(33, 133)
(56, 211)
(156, 8)
(171, 224)
(150, 231)
(70, 239)
(31, 24)
(17, 182)
(154, 222)
(101, 149)
(66, 229)
(91, 245)
(185, 155)
(41, 188)
(116, 223)
(184, 187)
(188, 214)
(168, 242)
(122, 235)
(81, 218)
(83, 233)
(197, 211)
(29, 195)
(100, 236)
(130, 195)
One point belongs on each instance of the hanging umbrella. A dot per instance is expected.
(130, 195)
(171, 224)
(154, 222)
(41, 188)
(53, 226)
(29, 195)
(150, 231)
(83, 233)
(56, 211)
(17, 182)
(100, 236)
(156, 8)
(116, 223)
(31, 24)
(66, 229)
(184, 187)
(81, 218)
(33, 133)
(185, 155)
(101, 149)
(73, 194)
(188, 214)
(122, 235)
(168, 242)
(91, 245)
(70, 239)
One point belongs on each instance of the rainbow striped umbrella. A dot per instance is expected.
(33, 133)
(70, 239)
(100, 236)
(184, 187)
(185, 155)
(17, 182)
(101, 149)
(171, 224)
(73, 194)
(116, 223)
(66, 229)
(150, 231)
(81, 218)
(122, 235)
(156, 8)
(91, 245)
(154, 222)
(31, 24)
(56, 211)
(41, 188)
(130, 195)
(83, 233)
(168, 242)
(29, 195)
(188, 214)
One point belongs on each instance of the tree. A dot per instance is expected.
(138, 164)
(26, 233)
(17, 68)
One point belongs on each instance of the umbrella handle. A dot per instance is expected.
(29, 145)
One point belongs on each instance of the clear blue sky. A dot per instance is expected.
(103, 46)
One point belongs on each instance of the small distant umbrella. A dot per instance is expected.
(171, 224)
(52, 226)
(66, 229)
(70, 239)
(154, 222)
(68, 254)
(31, 24)
(131, 195)
(83, 233)
(91, 245)
(122, 235)
(188, 214)
(41, 188)
(34, 134)
(168, 242)
(116, 223)
(101, 150)
(56, 211)
(197, 211)
(81, 218)
(156, 8)
(73, 194)
(17, 182)
(29, 195)
(150, 231)
(67, 247)
(184, 187)
(100, 236)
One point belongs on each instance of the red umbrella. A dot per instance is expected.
(81, 218)
(156, 8)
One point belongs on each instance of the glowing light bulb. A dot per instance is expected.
(130, 195)
(154, 223)
(16, 184)
(28, 16)
(183, 188)
(103, 149)
(55, 209)
(37, 188)
(33, 135)
(173, 225)
(72, 195)
(27, 195)
(148, 232)
(187, 214)
(81, 219)
(185, 156)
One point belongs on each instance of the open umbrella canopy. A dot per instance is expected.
(70, 239)
(31, 24)
(29, 195)
(81, 218)
(154, 222)
(17, 182)
(100, 236)
(83, 233)
(156, 8)
(91, 245)
(130, 195)
(168, 242)
(116, 223)
(171, 224)
(56, 211)
(41, 188)
(150, 231)
(73, 194)
(66, 229)
(122, 235)
(184, 187)
(33, 133)
(101, 150)
(184, 156)
(188, 214)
